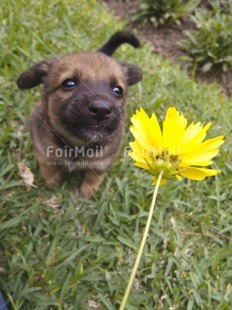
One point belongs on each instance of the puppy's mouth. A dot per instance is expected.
(99, 125)
(88, 129)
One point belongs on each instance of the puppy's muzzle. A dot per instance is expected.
(100, 110)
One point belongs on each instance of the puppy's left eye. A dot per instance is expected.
(69, 84)
(118, 91)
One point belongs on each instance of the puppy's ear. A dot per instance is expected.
(34, 75)
(133, 73)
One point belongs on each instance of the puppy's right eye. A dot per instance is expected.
(69, 84)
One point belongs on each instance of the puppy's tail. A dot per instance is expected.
(116, 40)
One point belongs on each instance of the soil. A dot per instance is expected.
(165, 40)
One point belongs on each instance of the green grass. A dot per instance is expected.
(210, 46)
(158, 13)
(79, 254)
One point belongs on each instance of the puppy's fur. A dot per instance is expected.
(79, 120)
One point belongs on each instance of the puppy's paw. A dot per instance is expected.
(85, 192)
(53, 181)
(50, 173)
(90, 184)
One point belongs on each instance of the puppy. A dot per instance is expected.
(79, 120)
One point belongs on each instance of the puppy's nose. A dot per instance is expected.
(100, 110)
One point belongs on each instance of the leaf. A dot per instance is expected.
(106, 302)
(26, 174)
(127, 242)
(11, 223)
(52, 202)
(221, 255)
(9, 185)
(207, 67)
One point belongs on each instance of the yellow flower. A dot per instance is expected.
(177, 150)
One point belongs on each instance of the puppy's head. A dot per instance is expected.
(84, 93)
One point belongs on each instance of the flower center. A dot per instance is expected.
(166, 157)
(164, 162)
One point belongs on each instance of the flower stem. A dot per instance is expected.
(140, 252)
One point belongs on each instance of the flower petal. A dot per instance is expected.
(198, 173)
(139, 153)
(173, 129)
(142, 165)
(195, 133)
(204, 153)
(162, 182)
(146, 130)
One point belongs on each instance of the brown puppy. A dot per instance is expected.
(79, 120)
